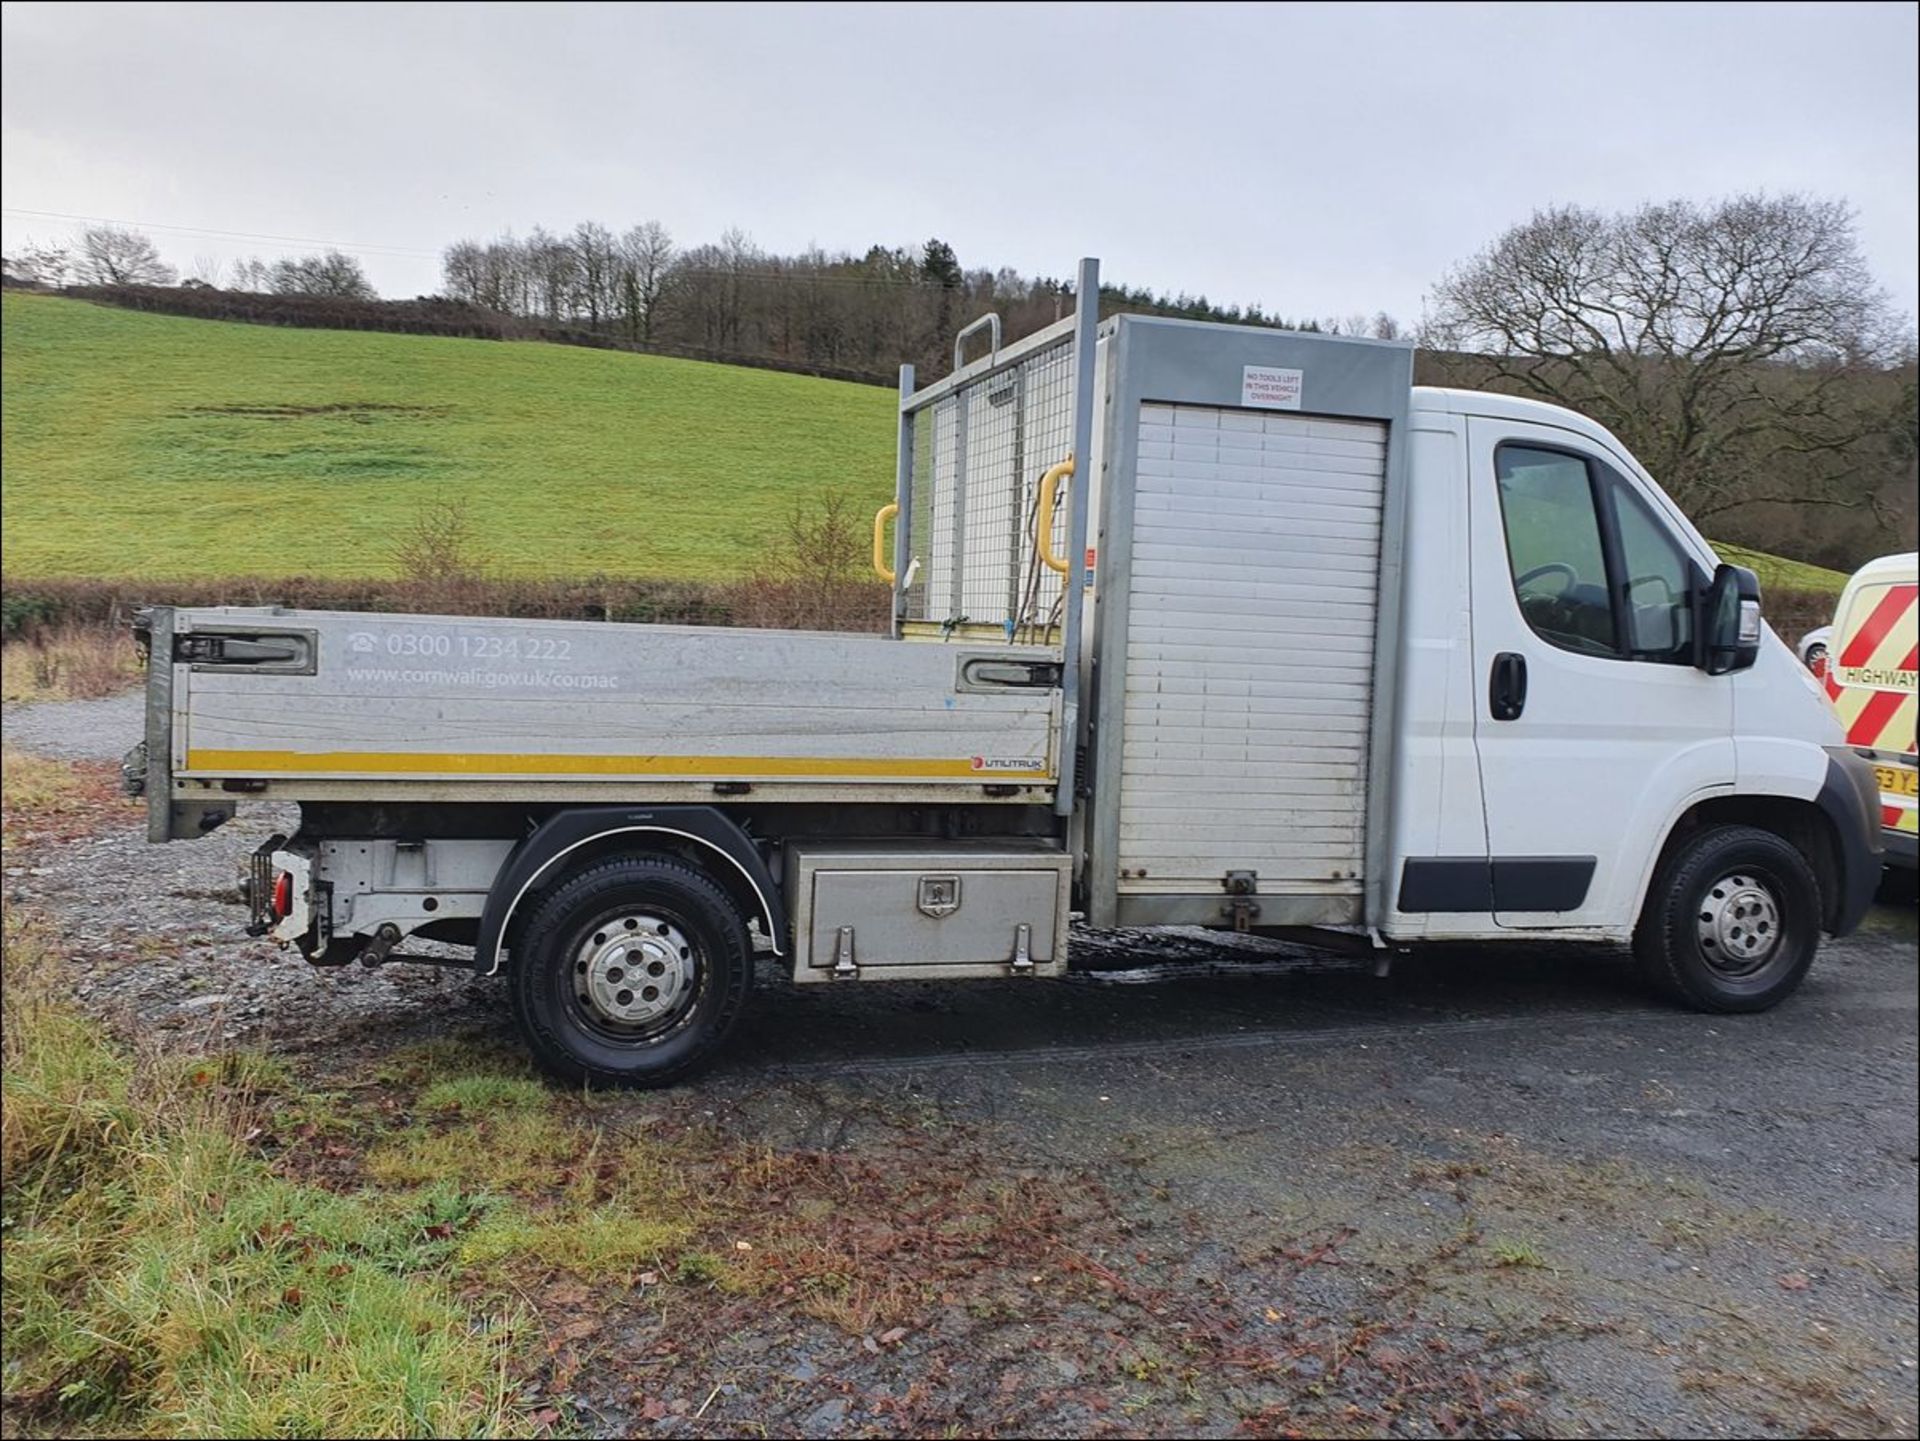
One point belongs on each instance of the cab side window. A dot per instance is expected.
(1556, 548)
(1657, 586)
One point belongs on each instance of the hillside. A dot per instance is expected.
(1777, 572)
(152, 446)
(156, 446)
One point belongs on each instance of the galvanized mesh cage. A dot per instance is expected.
(980, 449)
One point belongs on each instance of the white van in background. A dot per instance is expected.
(1870, 677)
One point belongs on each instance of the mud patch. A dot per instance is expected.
(364, 412)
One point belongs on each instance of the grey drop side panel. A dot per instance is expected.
(483, 701)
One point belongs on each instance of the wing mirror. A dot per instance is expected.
(1728, 628)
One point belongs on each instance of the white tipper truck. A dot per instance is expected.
(1194, 624)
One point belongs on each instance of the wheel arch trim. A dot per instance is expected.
(1850, 799)
(564, 833)
(1836, 809)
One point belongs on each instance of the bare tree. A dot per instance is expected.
(208, 270)
(329, 273)
(646, 261)
(718, 276)
(252, 274)
(814, 580)
(441, 542)
(1721, 343)
(551, 267)
(1378, 326)
(510, 275)
(40, 264)
(110, 255)
(595, 271)
(496, 275)
(463, 268)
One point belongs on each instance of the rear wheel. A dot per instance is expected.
(631, 973)
(1732, 921)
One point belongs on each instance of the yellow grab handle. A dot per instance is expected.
(880, 518)
(1043, 521)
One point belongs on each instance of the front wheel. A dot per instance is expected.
(631, 973)
(1732, 921)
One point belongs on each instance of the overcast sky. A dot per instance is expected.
(1316, 159)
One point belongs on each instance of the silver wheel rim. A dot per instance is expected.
(1739, 924)
(635, 971)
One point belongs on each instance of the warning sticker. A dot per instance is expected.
(1270, 388)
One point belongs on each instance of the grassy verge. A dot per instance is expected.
(68, 662)
(1777, 572)
(44, 799)
(160, 1276)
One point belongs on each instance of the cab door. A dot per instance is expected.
(1593, 726)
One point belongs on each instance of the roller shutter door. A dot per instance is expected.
(1249, 653)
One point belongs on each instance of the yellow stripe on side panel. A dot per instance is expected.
(438, 763)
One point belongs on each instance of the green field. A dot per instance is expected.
(155, 446)
(1777, 572)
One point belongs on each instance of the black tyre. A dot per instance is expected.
(631, 973)
(1732, 921)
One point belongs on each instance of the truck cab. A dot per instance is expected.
(1561, 675)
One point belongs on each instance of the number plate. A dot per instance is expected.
(1896, 782)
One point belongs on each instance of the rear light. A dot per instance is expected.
(283, 895)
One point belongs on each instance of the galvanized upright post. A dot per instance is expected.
(1086, 325)
(957, 557)
(903, 497)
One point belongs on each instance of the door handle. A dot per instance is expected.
(1507, 686)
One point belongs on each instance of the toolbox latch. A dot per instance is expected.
(1022, 962)
(1240, 908)
(843, 967)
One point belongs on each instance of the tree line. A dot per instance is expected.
(828, 313)
(866, 312)
(113, 255)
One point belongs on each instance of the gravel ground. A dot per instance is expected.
(79, 730)
(1641, 1221)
